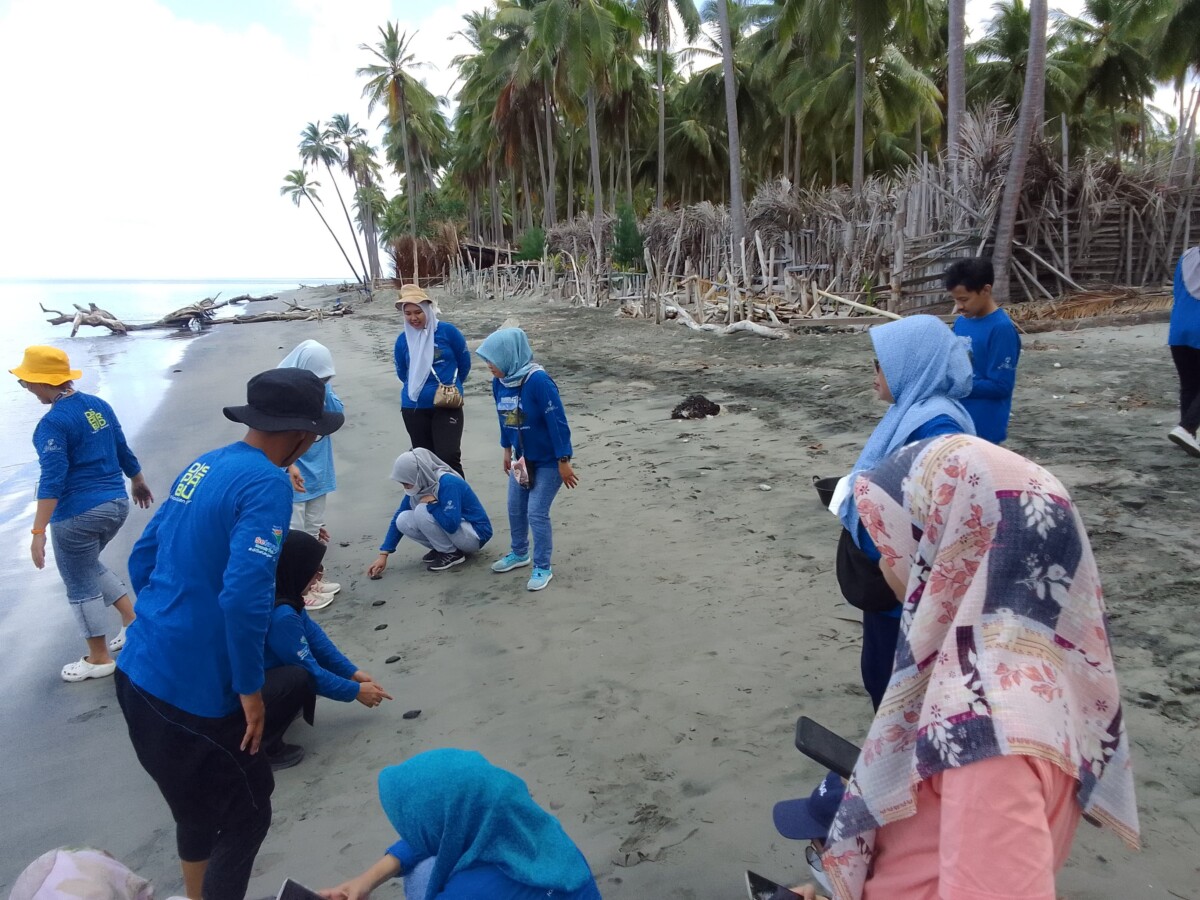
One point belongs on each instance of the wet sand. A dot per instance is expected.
(648, 696)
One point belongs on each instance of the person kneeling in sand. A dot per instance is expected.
(439, 511)
(301, 661)
(469, 830)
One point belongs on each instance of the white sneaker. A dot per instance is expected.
(315, 600)
(1185, 439)
(117, 642)
(326, 587)
(81, 669)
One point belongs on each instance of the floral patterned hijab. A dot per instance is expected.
(1003, 648)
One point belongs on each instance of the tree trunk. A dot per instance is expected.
(662, 122)
(528, 197)
(787, 144)
(571, 180)
(860, 77)
(737, 211)
(537, 134)
(353, 234)
(357, 277)
(551, 161)
(497, 210)
(597, 184)
(628, 163)
(796, 159)
(1035, 84)
(410, 190)
(956, 82)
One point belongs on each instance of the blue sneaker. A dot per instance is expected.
(539, 578)
(510, 561)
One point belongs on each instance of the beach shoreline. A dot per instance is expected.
(648, 696)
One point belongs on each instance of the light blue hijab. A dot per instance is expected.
(456, 806)
(509, 351)
(928, 370)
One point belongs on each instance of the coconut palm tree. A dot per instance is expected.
(389, 83)
(657, 17)
(956, 79)
(297, 186)
(1035, 87)
(317, 147)
(737, 206)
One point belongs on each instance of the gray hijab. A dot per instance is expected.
(422, 470)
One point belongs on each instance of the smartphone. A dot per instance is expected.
(819, 743)
(293, 891)
(759, 888)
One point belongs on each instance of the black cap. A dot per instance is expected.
(286, 400)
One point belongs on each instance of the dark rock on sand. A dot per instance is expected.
(697, 406)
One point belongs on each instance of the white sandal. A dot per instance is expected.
(118, 641)
(82, 670)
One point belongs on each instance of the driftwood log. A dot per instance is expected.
(194, 317)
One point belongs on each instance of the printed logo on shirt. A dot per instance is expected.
(189, 481)
(96, 420)
(1007, 364)
(304, 652)
(269, 547)
(52, 446)
(514, 416)
(448, 505)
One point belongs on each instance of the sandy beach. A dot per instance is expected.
(649, 695)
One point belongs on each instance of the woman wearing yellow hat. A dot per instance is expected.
(81, 494)
(432, 360)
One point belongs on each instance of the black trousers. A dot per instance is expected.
(287, 694)
(1187, 364)
(881, 632)
(438, 430)
(220, 797)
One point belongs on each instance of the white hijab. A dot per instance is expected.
(312, 356)
(420, 349)
(1190, 264)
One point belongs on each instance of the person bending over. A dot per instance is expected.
(302, 662)
(439, 511)
(470, 830)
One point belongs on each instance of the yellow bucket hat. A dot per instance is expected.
(46, 365)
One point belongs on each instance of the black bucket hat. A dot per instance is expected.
(286, 400)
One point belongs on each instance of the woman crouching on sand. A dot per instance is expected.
(470, 830)
(301, 661)
(537, 449)
(81, 496)
(439, 511)
(1001, 724)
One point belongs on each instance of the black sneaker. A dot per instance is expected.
(284, 756)
(430, 557)
(444, 561)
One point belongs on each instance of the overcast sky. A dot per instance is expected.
(149, 138)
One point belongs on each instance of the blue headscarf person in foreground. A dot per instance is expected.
(923, 370)
(469, 830)
(537, 449)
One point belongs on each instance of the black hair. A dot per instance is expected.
(974, 274)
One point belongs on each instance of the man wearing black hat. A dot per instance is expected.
(190, 677)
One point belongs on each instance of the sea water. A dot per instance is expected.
(130, 371)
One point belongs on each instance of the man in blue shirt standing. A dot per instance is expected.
(1184, 340)
(190, 677)
(995, 345)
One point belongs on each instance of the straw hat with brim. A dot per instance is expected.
(286, 400)
(46, 365)
(411, 293)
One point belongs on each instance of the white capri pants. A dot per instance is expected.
(420, 525)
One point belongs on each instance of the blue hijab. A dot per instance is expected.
(509, 351)
(455, 805)
(928, 370)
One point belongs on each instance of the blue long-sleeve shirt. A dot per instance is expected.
(294, 639)
(83, 455)
(536, 411)
(1184, 330)
(995, 351)
(204, 573)
(487, 881)
(456, 502)
(451, 363)
(316, 466)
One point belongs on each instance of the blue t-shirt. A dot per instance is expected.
(995, 350)
(1185, 313)
(316, 466)
(456, 502)
(204, 573)
(294, 639)
(82, 453)
(488, 881)
(536, 411)
(451, 363)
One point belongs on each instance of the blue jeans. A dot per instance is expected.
(530, 509)
(91, 586)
